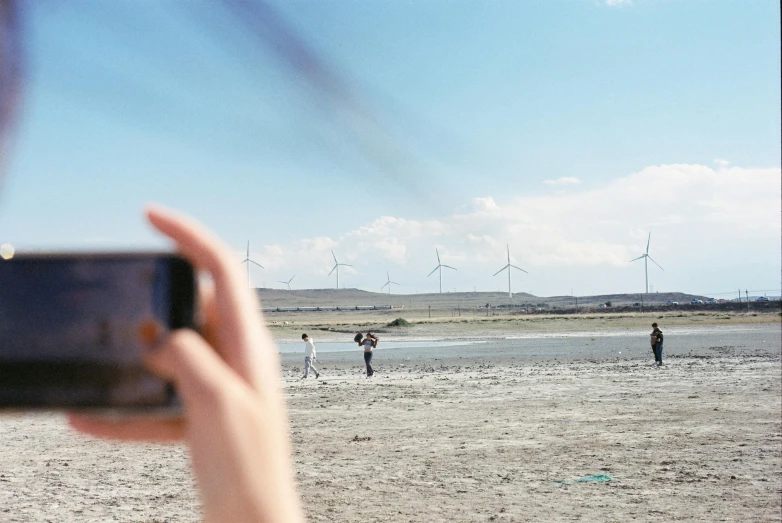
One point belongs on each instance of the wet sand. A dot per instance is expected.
(488, 432)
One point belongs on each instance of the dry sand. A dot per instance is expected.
(340, 326)
(471, 439)
(698, 440)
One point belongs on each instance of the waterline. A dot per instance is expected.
(328, 346)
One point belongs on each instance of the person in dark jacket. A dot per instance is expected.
(656, 338)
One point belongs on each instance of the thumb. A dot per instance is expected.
(197, 371)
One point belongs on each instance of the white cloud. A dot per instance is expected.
(484, 204)
(565, 180)
(722, 162)
(726, 216)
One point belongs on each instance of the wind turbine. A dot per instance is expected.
(336, 267)
(288, 283)
(389, 283)
(248, 261)
(509, 267)
(646, 257)
(439, 267)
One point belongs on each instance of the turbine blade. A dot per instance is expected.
(499, 271)
(334, 256)
(641, 256)
(433, 271)
(438, 255)
(291, 278)
(333, 269)
(648, 241)
(654, 262)
(256, 263)
(519, 268)
(449, 267)
(384, 286)
(346, 265)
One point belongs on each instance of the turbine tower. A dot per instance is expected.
(336, 267)
(439, 267)
(288, 283)
(389, 283)
(248, 261)
(509, 267)
(646, 257)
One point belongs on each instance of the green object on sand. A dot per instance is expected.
(596, 478)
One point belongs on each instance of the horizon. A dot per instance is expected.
(758, 293)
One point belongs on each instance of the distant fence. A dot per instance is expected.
(335, 308)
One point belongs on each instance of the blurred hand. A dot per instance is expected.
(235, 420)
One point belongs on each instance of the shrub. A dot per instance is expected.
(399, 322)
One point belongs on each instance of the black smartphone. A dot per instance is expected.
(70, 328)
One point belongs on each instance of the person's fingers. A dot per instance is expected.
(130, 429)
(208, 311)
(201, 377)
(199, 374)
(195, 241)
(238, 329)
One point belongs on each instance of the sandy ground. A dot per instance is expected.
(698, 440)
(470, 439)
(341, 326)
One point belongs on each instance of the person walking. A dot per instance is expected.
(368, 342)
(309, 357)
(656, 338)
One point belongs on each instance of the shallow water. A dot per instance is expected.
(757, 341)
(328, 346)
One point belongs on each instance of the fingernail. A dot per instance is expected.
(150, 334)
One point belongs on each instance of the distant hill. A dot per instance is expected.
(353, 297)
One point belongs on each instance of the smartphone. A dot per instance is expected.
(69, 328)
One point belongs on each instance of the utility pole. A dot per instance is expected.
(642, 303)
(739, 298)
(430, 312)
(746, 291)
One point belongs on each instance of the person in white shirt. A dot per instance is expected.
(309, 357)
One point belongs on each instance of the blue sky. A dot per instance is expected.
(448, 123)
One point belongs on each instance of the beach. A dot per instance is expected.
(556, 426)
